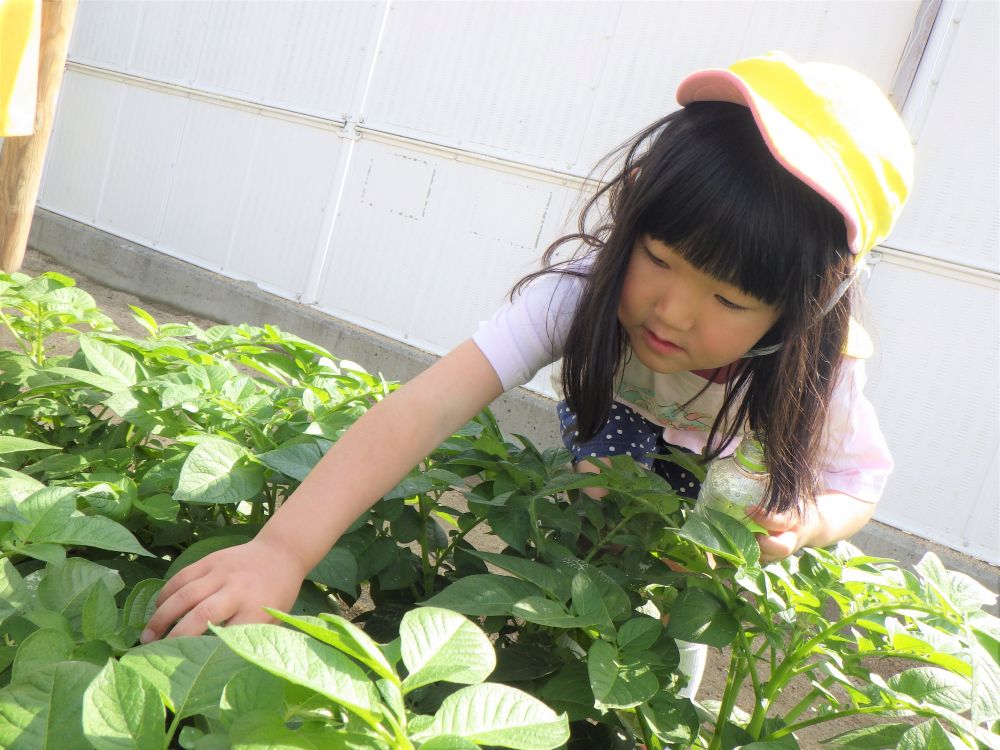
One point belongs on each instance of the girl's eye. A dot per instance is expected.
(728, 303)
(658, 261)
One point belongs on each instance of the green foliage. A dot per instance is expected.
(131, 458)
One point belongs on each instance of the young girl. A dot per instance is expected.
(715, 298)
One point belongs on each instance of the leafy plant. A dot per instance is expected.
(129, 458)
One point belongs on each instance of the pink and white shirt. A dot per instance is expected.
(530, 332)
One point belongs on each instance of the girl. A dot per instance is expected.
(715, 298)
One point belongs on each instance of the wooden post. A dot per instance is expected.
(22, 157)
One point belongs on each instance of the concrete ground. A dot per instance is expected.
(119, 274)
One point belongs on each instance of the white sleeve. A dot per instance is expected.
(530, 331)
(857, 460)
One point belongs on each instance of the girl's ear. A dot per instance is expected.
(633, 175)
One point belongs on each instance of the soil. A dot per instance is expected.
(116, 305)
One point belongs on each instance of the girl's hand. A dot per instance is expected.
(231, 586)
(788, 533)
(833, 517)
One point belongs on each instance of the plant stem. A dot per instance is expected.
(440, 559)
(733, 681)
(425, 559)
(793, 658)
(802, 705)
(601, 542)
(789, 729)
(648, 738)
(759, 705)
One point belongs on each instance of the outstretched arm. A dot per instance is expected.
(233, 585)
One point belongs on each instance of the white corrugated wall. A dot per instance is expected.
(399, 165)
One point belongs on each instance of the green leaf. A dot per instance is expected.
(215, 472)
(44, 551)
(108, 360)
(929, 736)
(178, 394)
(618, 683)
(639, 633)
(491, 714)
(14, 595)
(590, 604)
(52, 517)
(121, 711)
(338, 570)
(44, 646)
(295, 459)
(98, 532)
(439, 645)
(65, 587)
(46, 511)
(251, 689)
(302, 660)
(189, 673)
(99, 618)
(933, 686)
(343, 636)
(875, 737)
(161, 507)
(699, 617)
(20, 445)
(542, 611)
(549, 580)
(448, 742)
(43, 710)
(268, 731)
(88, 378)
(483, 595)
(672, 719)
(141, 603)
(985, 685)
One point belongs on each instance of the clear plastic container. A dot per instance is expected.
(737, 481)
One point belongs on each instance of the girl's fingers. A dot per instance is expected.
(193, 599)
(177, 581)
(217, 609)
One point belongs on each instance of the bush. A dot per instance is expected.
(132, 458)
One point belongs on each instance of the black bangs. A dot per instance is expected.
(708, 187)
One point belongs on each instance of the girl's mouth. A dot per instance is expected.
(658, 345)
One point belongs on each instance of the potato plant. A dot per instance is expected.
(506, 608)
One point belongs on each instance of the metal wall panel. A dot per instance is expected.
(935, 383)
(140, 167)
(656, 44)
(309, 57)
(202, 210)
(425, 246)
(80, 145)
(514, 80)
(958, 148)
(286, 198)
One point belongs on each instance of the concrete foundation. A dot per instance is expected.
(154, 276)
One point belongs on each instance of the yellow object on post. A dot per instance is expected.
(20, 32)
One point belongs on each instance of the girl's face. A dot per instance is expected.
(678, 318)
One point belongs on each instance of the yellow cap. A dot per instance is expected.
(828, 125)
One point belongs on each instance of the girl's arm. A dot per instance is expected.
(233, 585)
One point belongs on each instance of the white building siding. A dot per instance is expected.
(399, 165)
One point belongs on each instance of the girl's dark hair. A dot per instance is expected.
(703, 181)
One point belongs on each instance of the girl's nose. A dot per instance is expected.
(677, 309)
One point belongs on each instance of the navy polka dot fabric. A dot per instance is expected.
(627, 433)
